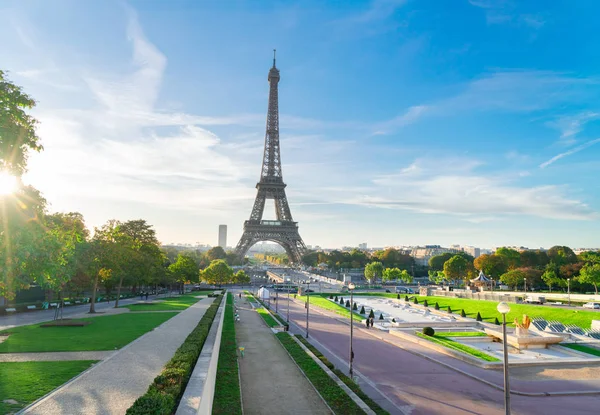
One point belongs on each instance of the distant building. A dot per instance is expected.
(223, 236)
(362, 246)
(422, 254)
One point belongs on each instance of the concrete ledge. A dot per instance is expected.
(200, 390)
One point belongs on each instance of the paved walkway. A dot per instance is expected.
(111, 386)
(55, 356)
(271, 382)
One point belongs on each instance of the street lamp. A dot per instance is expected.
(569, 290)
(276, 298)
(307, 305)
(288, 310)
(351, 287)
(503, 309)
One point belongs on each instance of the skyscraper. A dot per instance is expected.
(223, 236)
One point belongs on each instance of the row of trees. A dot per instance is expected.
(376, 270)
(338, 260)
(556, 267)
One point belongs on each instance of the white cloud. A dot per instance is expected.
(569, 152)
(571, 125)
(410, 116)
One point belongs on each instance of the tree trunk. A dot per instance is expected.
(93, 300)
(119, 292)
(595, 288)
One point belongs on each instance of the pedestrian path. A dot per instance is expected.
(111, 386)
(271, 382)
(55, 356)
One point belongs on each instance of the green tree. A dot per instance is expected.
(550, 277)
(510, 256)
(184, 269)
(436, 276)
(217, 273)
(561, 255)
(395, 274)
(534, 259)
(373, 271)
(436, 263)
(590, 274)
(513, 278)
(216, 253)
(241, 277)
(457, 268)
(491, 265)
(17, 128)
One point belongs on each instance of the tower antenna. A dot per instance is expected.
(274, 52)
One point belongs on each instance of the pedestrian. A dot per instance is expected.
(146, 295)
(141, 295)
(372, 321)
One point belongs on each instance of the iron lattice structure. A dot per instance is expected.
(284, 230)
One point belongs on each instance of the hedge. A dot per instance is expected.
(164, 393)
(227, 399)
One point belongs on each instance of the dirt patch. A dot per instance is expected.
(574, 373)
(66, 323)
(4, 336)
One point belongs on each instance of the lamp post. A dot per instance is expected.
(288, 310)
(351, 287)
(569, 290)
(503, 309)
(525, 284)
(276, 298)
(307, 305)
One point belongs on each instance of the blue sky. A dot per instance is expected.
(402, 122)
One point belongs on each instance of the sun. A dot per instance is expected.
(8, 183)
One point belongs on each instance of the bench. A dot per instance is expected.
(53, 304)
(67, 303)
(77, 302)
(31, 307)
(11, 310)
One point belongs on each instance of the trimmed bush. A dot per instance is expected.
(336, 299)
(406, 298)
(416, 300)
(362, 310)
(428, 331)
(479, 317)
(331, 296)
(425, 303)
(381, 317)
(164, 393)
(348, 303)
(398, 296)
(462, 313)
(449, 310)
(393, 320)
(437, 306)
(354, 306)
(371, 314)
(341, 300)
(496, 322)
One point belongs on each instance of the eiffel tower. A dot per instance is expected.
(284, 230)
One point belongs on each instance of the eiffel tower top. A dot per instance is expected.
(271, 166)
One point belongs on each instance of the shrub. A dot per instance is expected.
(479, 317)
(354, 307)
(362, 310)
(341, 300)
(348, 303)
(381, 317)
(496, 322)
(449, 310)
(437, 306)
(406, 298)
(331, 296)
(393, 320)
(336, 299)
(416, 300)
(428, 331)
(425, 303)
(462, 313)
(371, 314)
(398, 296)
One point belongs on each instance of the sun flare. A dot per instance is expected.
(8, 183)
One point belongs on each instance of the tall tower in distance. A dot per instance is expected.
(223, 236)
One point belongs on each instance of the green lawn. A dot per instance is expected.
(336, 397)
(104, 333)
(176, 303)
(488, 310)
(271, 322)
(583, 348)
(324, 302)
(460, 334)
(25, 382)
(227, 399)
(451, 344)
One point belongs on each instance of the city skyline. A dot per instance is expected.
(402, 122)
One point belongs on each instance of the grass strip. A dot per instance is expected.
(489, 312)
(103, 333)
(451, 344)
(227, 399)
(166, 390)
(349, 382)
(175, 303)
(582, 348)
(460, 334)
(267, 317)
(24, 382)
(325, 303)
(337, 399)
